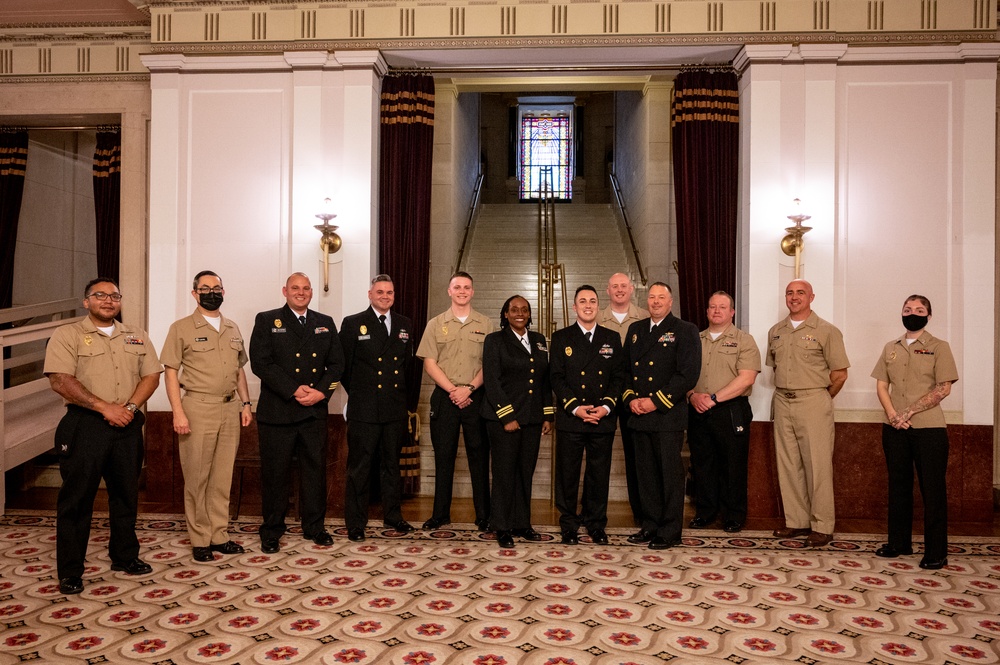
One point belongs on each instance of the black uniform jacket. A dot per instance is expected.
(663, 364)
(285, 355)
(375, 371)
(516, 382)
(586, 373)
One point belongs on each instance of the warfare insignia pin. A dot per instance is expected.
(634, 338)
(277, 323)
(569, 351)
(364, 330)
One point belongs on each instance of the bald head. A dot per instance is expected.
(798, 299)
(620, 291)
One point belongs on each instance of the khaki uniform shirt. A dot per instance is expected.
(912, 370)
(456, 347)
(723, 358)
(208, 361)
(608, 320)
(803, 357)
(109, 367)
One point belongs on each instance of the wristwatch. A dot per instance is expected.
(713, 398)
(131, 407)
(247, 403)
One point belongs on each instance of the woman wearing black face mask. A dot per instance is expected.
(913, 374)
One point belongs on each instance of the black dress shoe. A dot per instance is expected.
(640, 536)
(434, 523)
(890, 552)
(570, 538)
(483, 525)
(321, 538)
(356, 535)
(661, 543)
(528, 534)
(270, 545)
(202, 554)
(701, 522)
(70, 585)
(933, 564)
(228, 547)
(402, 526)
(134, 567)
(505, 539)
(598, 537)
(732, 526)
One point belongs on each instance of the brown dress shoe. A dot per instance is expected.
(787, 532)
(817, 539)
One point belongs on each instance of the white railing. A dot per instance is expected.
(29, 410)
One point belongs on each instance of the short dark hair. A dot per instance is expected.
(506, 306)
(203, 273)
(663, 284)
(460, 273)
(98, 280)
(584, 287)
(381, 277)
(923, 299)
(732, 301)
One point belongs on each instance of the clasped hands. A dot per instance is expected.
(307, 396)
(900, 420)
(589, 413)
(642, 405)
(461, 396)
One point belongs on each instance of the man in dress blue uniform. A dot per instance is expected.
(377, 347)
(296, 353)
(588, 371)
(664, 356)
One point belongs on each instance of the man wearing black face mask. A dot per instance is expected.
(204, 355)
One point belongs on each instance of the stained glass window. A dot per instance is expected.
(546, 144)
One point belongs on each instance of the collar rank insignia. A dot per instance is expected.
(88, 340)
(444, 330)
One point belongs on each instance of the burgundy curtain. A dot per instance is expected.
(107, 199)
(13, 160)
(705, 132)
(407, 142)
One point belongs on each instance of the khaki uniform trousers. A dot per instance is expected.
(803, 442)
(207, 457)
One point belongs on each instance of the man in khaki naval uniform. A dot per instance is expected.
(105, 370)
(452, 351)
(204, 354)
(810, 367)
(618, 316)
(719, 417)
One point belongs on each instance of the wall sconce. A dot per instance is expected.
(793, 242)
(330, 242)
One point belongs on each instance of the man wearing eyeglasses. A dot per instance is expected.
(105, 370)
(204, 355)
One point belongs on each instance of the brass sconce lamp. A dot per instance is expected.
(330, 242)
(793, 242)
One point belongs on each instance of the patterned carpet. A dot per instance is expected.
(454, 597)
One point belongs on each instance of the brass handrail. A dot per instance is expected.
(477, 191)
(550, 271)
(619, 199)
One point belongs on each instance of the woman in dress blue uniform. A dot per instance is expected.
(518, 409)
(913, 374)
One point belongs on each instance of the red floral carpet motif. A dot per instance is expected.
(454, 597)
